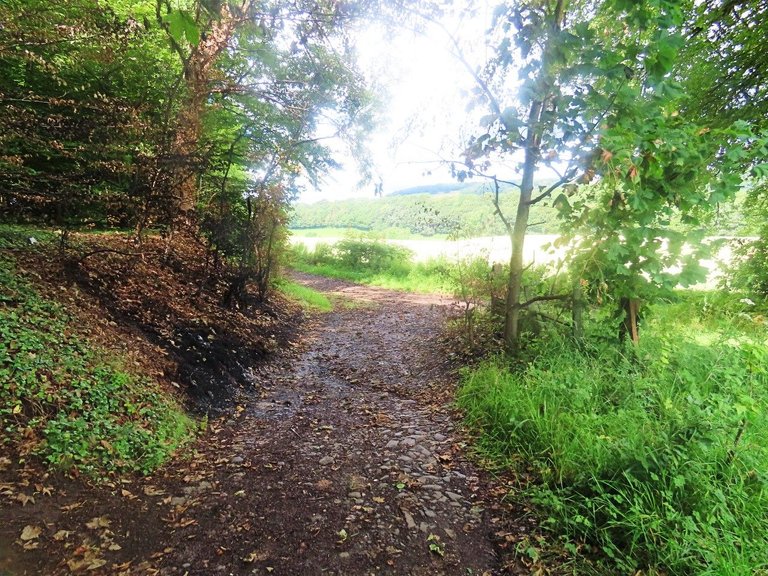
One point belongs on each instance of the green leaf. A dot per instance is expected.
(181, 24)
(510, 119)
(561, 204)
(760, 171)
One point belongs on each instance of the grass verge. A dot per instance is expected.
(306, 297)
(71, 404)
(372, 262)
(652, 459)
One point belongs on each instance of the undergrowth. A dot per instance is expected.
(69, 403)
(651, 459)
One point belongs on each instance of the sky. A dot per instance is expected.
(423, 109)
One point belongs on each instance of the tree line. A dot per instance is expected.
(468, 213)
(198, 115)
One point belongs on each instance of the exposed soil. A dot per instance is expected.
(342, 456)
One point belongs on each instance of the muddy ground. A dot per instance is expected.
(344, 457)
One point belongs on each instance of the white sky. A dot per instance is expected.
(423, 113)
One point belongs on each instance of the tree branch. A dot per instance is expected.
(571, 171)
(545, 298)
(498, 211)
(493, 101)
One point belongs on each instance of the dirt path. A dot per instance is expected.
(346, 461)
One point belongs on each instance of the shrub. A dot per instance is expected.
(373, 256)
(371, 262)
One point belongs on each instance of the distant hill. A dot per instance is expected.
(471, 187)
(436, 209)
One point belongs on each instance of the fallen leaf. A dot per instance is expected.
(378, 499)
(61, 535)
(76, 565)
(97, 563)
(24, 499)
(184, 522)
(153, 491)
(46, 490)
(100, 522)
(256, 555)
(324, 484)
(114, 547)
(30, 533)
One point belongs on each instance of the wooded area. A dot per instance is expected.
(611, 97)
(180, 132)
(192, 116)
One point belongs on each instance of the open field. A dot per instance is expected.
(538, 249)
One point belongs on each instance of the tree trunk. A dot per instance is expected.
(629, 326)
(577, 311)
(515, 281)
(534, 131)
(198, 72)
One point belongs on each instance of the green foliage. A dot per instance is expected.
(653, 458)
(307, 297)
(723, 63)
(77, 406)
(386, 234)
(747, 271)
(373, 256)
(116, 114)
(79, 123)
(480, 291)
(182, 25)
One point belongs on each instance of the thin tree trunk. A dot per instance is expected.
(577, 311)
(515, 282)
(629, 326)
(534, 132)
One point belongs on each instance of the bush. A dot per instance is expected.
(656, 460)
(748, 270)
(373, 256)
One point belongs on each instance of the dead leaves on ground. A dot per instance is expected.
(23, 491)
(29, 537)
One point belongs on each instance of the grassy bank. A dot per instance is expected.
(306, 297)
(372, 262)
(70, 403)
(652, 459)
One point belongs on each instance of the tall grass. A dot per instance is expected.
(653, 458)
